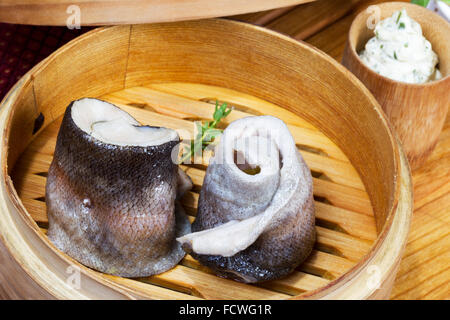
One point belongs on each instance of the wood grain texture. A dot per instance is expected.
(15, 289)
(285, 74)
(113, 12)
(304, 21)
(262, 17)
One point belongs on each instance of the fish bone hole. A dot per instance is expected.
(243, 165)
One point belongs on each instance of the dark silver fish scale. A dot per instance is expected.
(112, 207)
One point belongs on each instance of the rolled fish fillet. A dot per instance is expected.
(111, 192)
(255, 219)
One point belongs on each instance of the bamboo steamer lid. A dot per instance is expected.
(74, 13)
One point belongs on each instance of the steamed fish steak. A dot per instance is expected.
(255, 219)
(111, 192)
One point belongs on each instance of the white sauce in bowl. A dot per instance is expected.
(400, 52)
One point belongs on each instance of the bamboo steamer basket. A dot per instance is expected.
(171, 74)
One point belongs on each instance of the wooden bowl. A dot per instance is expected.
(171, 75)
(416, 111)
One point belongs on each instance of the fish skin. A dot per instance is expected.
(285, 244)
(112, 207)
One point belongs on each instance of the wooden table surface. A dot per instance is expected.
(425, 269)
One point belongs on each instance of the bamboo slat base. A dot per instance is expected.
(345, 223)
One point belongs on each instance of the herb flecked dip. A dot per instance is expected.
(400, 52)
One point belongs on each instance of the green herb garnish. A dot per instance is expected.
(422, 3)
(401, 25)
(395, 55)
(406, 45)
(398, 18)
(207, 132)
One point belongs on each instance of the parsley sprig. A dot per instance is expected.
(207, 132)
